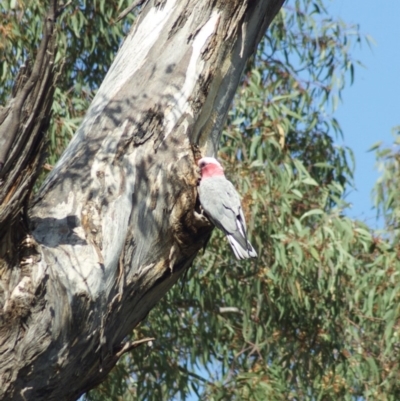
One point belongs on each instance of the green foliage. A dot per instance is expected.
(316, 316)
(387, 189)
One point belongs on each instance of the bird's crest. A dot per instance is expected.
(210, 167)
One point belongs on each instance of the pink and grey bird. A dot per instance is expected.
(221, 203)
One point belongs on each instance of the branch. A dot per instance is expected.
(130, 345)
(230, 309)
(195, 375)
(128, 9)
(23, 125)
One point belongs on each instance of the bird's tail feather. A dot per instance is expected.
(238, 249)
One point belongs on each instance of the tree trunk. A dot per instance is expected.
(116, 222)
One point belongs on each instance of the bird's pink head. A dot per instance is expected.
(210, 167)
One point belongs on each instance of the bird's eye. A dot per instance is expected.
(202, 164)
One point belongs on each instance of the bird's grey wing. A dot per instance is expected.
(221, 202)
(211, 194)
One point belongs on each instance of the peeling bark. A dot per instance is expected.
(116, 222)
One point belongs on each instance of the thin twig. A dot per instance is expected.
(230, 309)
(195, 375)
(48, 167)
(128, 9)
(130, 345)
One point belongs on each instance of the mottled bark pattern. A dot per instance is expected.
(115, 223)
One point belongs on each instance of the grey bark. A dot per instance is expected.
(23, 124)
(115, 223)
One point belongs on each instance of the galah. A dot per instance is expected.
(221, 204)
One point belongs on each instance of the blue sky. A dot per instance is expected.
(371, 106)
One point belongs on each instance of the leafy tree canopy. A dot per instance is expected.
(317, 315)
